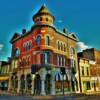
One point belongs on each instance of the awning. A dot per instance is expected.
(59, 77)
(2, 78)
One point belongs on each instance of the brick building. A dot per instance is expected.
(44, 59)
(4, 75)
(84, 75)
(93, 56)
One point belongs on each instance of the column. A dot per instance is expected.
(18, 89)
(25, 85)
(42, 73)
(32, 89)
(52, 87)
(70, 80)
(9, 85)
(43, 87)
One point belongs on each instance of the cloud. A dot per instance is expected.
(82, 46)
(1, 46)
(59, 21)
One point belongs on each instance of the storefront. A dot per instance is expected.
(4, 83)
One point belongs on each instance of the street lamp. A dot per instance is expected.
(62, 70)
(22, 78)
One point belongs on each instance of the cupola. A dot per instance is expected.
(43, 17)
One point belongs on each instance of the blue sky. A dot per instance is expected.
(79, 16)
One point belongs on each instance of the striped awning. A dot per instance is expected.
(4, 78)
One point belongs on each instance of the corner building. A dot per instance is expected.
(44, 59)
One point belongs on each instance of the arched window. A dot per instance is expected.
(38, 40)
(46, 19)
(47, 40)
(58, 45)
(27, 46)
(30, 44)
(47, 57)
(24, 46)
(64, 47)
(72, 51)
(61, 46)
(17, 52)
(41, 18)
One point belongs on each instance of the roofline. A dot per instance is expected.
(30, 32)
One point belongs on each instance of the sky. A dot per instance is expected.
(79, 16)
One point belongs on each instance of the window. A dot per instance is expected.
(47, 19)
(30, 44)
(58, 45)
(58, 60)
(88, 85)
(72, 51)
(47, 57)
(27, 45)
(87, 70)
(17, 52)
(47, 40)
(38, 40)
(82, 71)
(63, 61)
(41, 19)
(61, 46)
(64, 47)
(24, 46)
(72, 63)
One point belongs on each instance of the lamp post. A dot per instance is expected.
(22, 78)
(62, 70)
(33, 77)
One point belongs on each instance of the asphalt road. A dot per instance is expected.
(9, 97)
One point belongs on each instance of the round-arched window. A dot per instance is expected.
(46, 19)
(17, 52)
(72, 51)
(47, 40)
(38, 40)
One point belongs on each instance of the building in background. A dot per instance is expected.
(4, 75)
(44, 59)
(93, 57)
(84, 74)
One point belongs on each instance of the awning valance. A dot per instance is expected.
(4, 78)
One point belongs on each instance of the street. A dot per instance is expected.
(9, 97)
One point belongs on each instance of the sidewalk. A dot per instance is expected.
(50, 96)
(93, 93)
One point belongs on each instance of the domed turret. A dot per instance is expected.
(43, 17)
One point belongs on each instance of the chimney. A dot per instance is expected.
(23, 31)
(65, 30)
